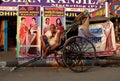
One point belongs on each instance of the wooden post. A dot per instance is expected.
(107, 9)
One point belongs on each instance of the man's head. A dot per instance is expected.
(23, 19)
(47, 20)
(52, 28)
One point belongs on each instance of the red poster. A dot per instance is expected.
(28, 31)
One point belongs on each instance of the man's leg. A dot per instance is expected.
(54, 46)
(44, 46)
(45, 52)
(49, 48)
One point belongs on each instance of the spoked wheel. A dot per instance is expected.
(58, 58)
(79, 54)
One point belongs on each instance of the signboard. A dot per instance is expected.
(99, 12)
(8, 13)
(60, 3)
(9, 7)
(28, 31)
(102, 36)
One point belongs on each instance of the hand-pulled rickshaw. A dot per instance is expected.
(78, 53)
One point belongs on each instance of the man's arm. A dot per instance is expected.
(58, 38)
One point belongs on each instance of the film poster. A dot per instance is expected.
(53, 16)
(28, 31)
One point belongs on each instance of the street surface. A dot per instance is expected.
(60, 74)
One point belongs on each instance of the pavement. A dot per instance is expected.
(8, 59)
(7, 56)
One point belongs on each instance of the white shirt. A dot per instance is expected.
(51, 40)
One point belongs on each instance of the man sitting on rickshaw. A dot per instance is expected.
(50, 40)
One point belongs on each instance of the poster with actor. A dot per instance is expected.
(28, 31)
(53, 26)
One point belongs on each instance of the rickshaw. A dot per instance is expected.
(78, 53)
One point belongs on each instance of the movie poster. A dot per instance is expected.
(28, 31)
(53, 16)
(102, 36)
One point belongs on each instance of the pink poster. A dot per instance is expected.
(52, 16)
(28, 31)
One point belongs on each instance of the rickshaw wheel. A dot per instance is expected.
(59, 60)
(79, 54)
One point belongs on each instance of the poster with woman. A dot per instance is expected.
(102, 35)
(28, 31)
(53, 16)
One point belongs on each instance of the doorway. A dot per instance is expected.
(12, 31)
